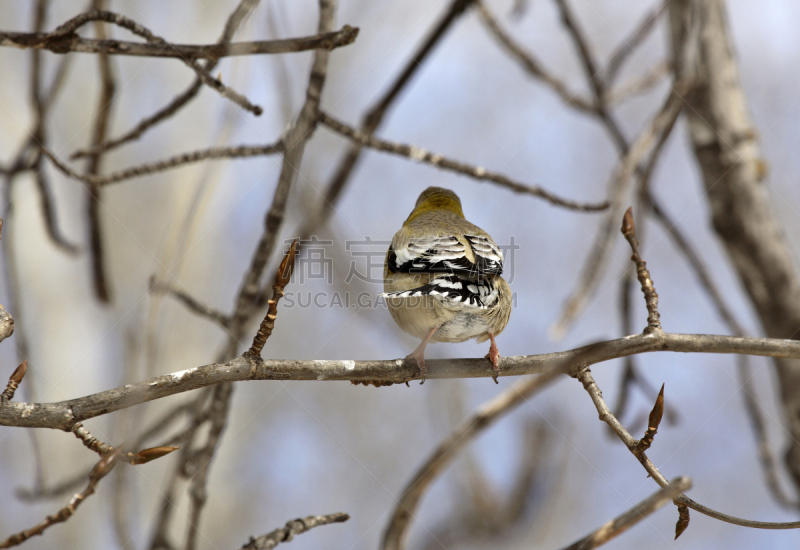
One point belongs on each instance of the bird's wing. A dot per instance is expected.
(455, 292)
(447, 254)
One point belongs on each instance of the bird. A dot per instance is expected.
(442, 278)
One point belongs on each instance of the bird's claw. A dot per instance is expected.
(420, 359)
(494, 358)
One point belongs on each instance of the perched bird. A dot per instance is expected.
(441, 278)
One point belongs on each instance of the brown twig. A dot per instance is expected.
(394, 538)
(191, 303)
(295, 527)
(629, 44)
(13, 382)
(595, 264)
(234, 21)
(374, 116)
(633, 516)
(650, 295)
(433, 159)
(94, 197)
(104, 449)
(242, 151)
(74, 43)
(282, 277)
(100, 470)
(67, 30)
(532, 65)
(752, 408)
(652, 423)
(585, 377)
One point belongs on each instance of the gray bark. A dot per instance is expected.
(727, 151)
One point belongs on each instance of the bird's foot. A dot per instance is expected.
(419, 357)
(494, 357)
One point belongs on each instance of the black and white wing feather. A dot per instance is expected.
(447, 254)
(455, 292)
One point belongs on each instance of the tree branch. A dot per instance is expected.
(292, 528)
(63, 415)
(433, 159)
(74, 43)
(633, 516)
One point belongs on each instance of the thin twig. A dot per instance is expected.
(242, 151)
(532, 65)
(396, 534)
(374, 116)
(650, 294)
(594, 266)
(234, 21)
(629, 44)
(67, 29)
(191, 303)
(585, 377)
(101, 469)
(295, 527)
(282, 277)
(433, 159)
(13, 382)
(74, 43)
(633, 516)
(94, 197)
(752, 408)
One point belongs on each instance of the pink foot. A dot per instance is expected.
(494, 357)
(419, 354)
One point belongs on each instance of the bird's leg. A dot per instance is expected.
(494, 357)
(419, 353)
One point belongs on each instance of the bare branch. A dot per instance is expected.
(74, 43)
(66, 31)
(532, 65)
(433, 159)
(282, 277)
(629, 44)
(191, 303)
(582, 45)
(650, 294)
(241, 151)
(374, 115)
(101, 469)
(64, 414)
(585, 377)
(94, 197)
(594, 266)
(235, 19)
(295, 527)
(633, 516)
(394, 538)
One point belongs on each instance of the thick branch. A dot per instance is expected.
(63, 415)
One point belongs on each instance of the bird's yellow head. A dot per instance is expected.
(436, 198)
